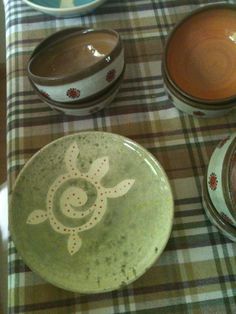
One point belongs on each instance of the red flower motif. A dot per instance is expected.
(213, 181)
(222, 143)
(73, 93)
(45, 94)
(226, 218)
(111, 75)
(198, 113)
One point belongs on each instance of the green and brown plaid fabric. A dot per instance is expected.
(197, 271)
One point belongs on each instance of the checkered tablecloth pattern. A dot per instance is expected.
(197, 271)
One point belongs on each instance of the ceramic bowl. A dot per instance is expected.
(186, 105)
(64, 8)
(81, 215)
(199, 59)
(221, 178)
(54, 37)
(213, 215)
(77, 66)
(86, 107)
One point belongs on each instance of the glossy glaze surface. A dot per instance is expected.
(218, 176)
(60, 3)
(73, 54)
(77, 65)
(86, 107)
(64, 7)
(198, 110)
(201, 54)
(92, 224)
(213, 215)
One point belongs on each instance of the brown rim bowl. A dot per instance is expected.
(87, 107)
(76, 65)
(199, 57)
(194, 108)
(222, 225)
(220, 184)
(229, 178)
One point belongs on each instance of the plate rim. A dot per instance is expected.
(110, 287)
(74, 9)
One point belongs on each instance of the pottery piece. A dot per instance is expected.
(213, 215)
(87, 107)
(54, 37)
(81, 214)
(64, 8)
(199, 110)
(221, 178)
(200, 53)
(231, 183)
(78, 66)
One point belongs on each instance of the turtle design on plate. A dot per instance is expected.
(74, 198)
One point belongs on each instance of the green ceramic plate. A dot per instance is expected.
(91, 212)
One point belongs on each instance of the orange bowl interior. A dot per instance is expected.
(201, 55)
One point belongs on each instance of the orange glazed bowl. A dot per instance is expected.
(200, 54)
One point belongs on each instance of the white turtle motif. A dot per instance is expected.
(75, 197)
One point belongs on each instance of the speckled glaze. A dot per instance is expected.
(64, 8)
(218, 179)
(213, 215)
(81, 214)
(198, 110)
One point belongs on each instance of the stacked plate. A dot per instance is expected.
(219, 187)
(78, 71)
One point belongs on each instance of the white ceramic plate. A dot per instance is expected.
(64, 7)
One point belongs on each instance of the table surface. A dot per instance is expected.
(197, 271)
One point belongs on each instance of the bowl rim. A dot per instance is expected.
(75, 76)
(226, 182)
(223, 224)
(217, 102)
(82, 104)
(190, 102)
(49, 40)
(64, 10)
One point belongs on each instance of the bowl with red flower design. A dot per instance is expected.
(86, 107)
(191, 107)
(216, 217)
(200, 72)
(221, 178)
(78, 66)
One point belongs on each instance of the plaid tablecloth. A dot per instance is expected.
(197, 271)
